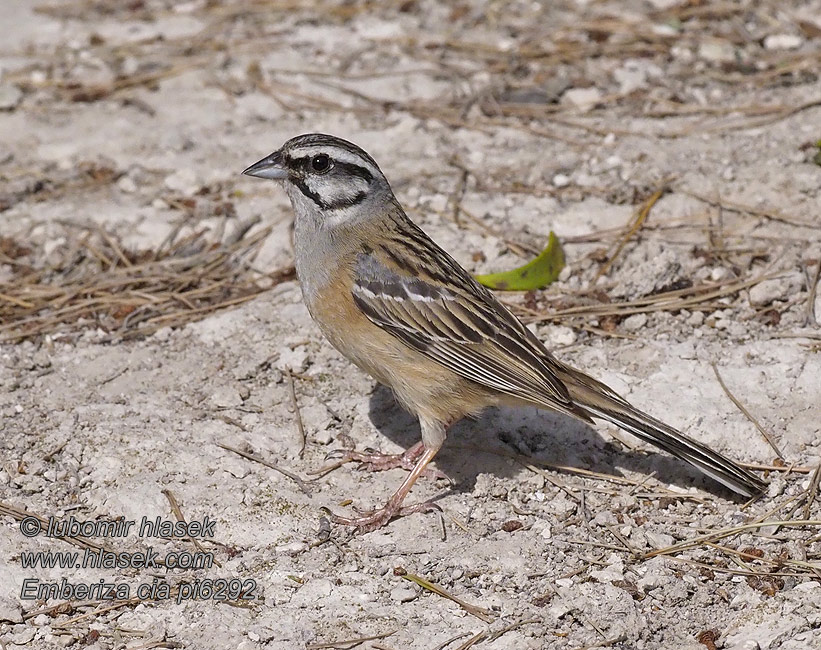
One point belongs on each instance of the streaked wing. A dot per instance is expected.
(430, 303)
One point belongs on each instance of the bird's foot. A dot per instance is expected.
(375, 519)
(373, 461)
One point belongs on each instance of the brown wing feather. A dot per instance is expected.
(435, 307)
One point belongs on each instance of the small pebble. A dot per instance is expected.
(127, 185)
(635, 322)
(561, 335)
(696, 319)
(783, 42)
(403, 594)
(561, 180)
(582, 98)
(717, 51)
(767, 291)
(659, 540)
(184, 181)
(10, 97)
(720, 273)
(226, 397)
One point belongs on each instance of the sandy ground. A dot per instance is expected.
(496, 123)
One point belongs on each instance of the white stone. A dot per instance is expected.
(612, 572)
(127, 185)
(654, 579)
(403, 594)
(10, 97)
(783, 42)
(717, 51)
(10, 610)
(561, 180)
(659, 540)
(295, 359)
(226, 397)
(604, 518)
(183, 181)
(635, 322)
(767, 291)
(665, 4)
(696, 319)
(291, 548)
(720, 273)
(313, 593)
(582, 98)
(561, 335)
(634, 74)
(24, 636)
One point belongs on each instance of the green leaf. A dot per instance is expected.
(536, 274)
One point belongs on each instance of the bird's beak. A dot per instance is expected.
(269, 167)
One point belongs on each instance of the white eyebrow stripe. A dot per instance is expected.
(335, 153)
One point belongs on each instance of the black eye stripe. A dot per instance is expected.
(317, 140)
(347, 202)
(304, 163)
(355, 170)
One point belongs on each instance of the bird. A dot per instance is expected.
(402, 309)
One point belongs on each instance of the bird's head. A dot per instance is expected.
(329, 180)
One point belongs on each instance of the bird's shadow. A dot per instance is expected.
(550, 437)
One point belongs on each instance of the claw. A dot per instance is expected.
(393, 508)
(336, 453)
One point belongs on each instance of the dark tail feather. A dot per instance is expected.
(667, 438)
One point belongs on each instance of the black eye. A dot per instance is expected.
(320, 163)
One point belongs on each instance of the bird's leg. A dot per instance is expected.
(393, 508)
(375, 462)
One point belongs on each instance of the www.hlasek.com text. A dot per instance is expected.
(103, 559)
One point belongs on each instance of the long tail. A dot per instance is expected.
(597, 400)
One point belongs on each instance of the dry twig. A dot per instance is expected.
(297, 414)
(638, 220)
(478, 612)
(767, 435)
(99, 283)
(301, 483)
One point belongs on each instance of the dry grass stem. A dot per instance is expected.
(809, 316)
(297, 414)
(787, 469)
(727, 532)
(301, 483)
(698, 297)
(452, 639)
(98, 283)
(478, 612)
(637, 222)
(767, 435)
(741, 208)
(350, 643)
(175, 508)
(812, 491)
